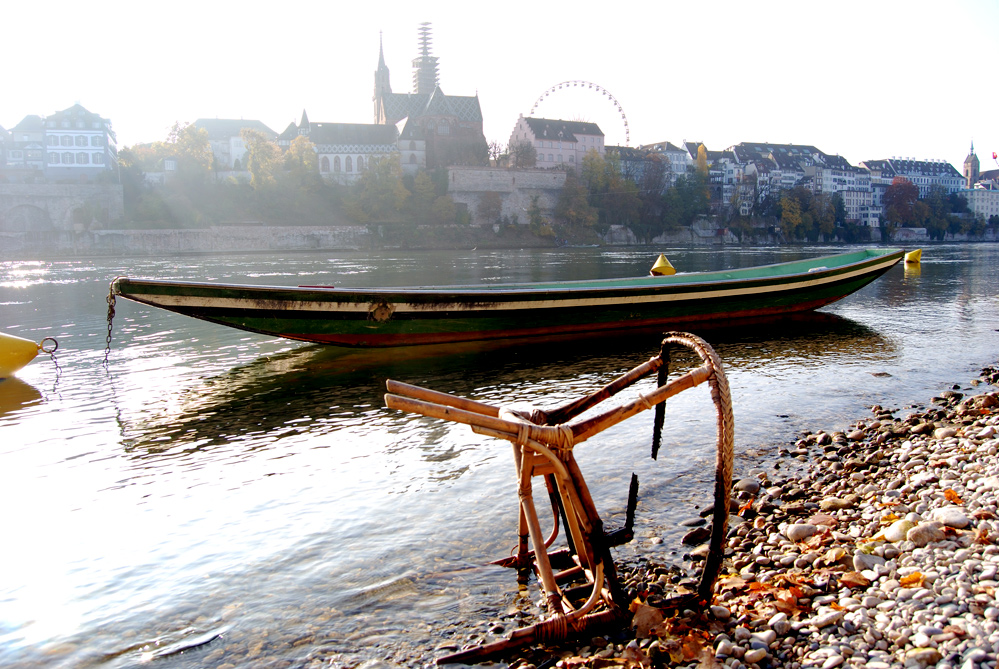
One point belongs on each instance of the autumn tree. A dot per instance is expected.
(263, 158)
(189, 145)
(444, 210)
(900, 201)
(378, 195)
(301, 163)
(423, 196)
(790, 214)
(573, 207)
(490, 206)
(523, 154)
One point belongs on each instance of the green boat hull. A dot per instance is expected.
(440, 315)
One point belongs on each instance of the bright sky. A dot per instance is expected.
(865, 79)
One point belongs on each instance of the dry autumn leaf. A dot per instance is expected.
(913, 580)
(854, 579)
(953, 497)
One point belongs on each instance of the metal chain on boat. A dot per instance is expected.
(111, 302)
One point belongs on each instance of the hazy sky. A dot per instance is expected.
(864, 79)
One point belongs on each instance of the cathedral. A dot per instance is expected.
(450, 125)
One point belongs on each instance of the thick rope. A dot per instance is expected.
(724, 457)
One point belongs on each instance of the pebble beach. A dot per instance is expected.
(876, 546)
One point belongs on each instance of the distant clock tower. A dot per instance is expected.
(971, 166)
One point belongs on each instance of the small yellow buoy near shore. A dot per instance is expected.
(662, 267)
(913, 257)
(16, 352)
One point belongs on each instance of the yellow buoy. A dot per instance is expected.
(913, 257)
(662, 267)
(15, 353)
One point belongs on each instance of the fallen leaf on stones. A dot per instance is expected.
(731, 583)
(745, 507)
(953, 497)
(707, 659)
(854, 579)
(982, 514)
(823, 519)
(982, 536)
(913, 580)
(692, 646)
(644, 619)
(888, 519)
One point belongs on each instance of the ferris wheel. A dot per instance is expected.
(579, 83)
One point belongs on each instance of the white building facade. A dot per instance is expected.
(558, 143)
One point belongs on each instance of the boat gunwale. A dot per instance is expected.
(626, 285)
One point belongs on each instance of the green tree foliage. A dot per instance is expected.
(573, 208)
(378, 196)
(191, 148)
(423, 195)
(444, 211)
(490, 206)
(263, 158)
(301, 163)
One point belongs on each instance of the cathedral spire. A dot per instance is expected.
(383, 87)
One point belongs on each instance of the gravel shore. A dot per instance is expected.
(881, 551)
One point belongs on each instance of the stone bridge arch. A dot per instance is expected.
(25, 218)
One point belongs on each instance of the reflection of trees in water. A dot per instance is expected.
(320, 390)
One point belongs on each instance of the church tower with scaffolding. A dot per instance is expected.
(450, 125)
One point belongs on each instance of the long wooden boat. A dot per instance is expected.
(384, 317)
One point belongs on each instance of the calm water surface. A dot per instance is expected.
(214, 482)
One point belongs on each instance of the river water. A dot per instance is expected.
(215, 498)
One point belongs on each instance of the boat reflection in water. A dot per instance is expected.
(319, 389)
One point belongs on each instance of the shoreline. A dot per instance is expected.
(881, 550)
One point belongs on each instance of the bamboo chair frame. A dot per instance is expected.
(543, 444)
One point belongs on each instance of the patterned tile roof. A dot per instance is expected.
(415, 105)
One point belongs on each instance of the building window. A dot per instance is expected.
(551, 158)
(348, 164)
(98, 158)
(572, 158)
(325, 165)
(412, 145)
(360, 163)
(53, 140)
(67, 158)
(82, 158)
(81, 140)
(412, 159)
(53, 158)
(66, 140)
(560, 157)
(65, 124)
(443, 129)
(96, 140)
(336, 164)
